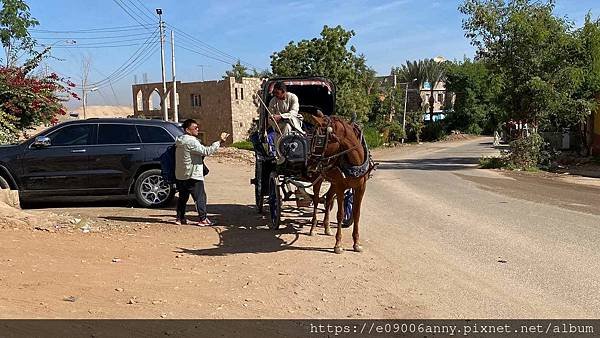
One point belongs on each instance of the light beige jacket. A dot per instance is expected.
(189, 156)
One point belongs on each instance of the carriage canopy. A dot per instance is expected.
(314, 93)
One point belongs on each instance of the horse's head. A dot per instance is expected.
(341, 136)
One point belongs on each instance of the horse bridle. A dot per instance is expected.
(319, 142)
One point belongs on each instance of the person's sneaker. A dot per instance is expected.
(205, 222)
(180, 221)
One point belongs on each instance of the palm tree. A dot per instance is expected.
(427, 70)
(410, 71)
(435, 72)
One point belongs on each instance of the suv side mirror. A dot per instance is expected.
(41, 142)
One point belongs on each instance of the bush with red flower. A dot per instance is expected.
(28, 100)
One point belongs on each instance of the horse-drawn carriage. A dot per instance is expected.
(294, 166)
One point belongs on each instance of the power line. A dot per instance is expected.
(210, 49)
(71, 37)
(206, 55)
(140, 10)
(127, 11)
(103, 46)
(142, 52)
(93, 30)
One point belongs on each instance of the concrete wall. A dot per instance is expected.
(216, 108)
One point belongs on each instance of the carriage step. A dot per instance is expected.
(253, 181)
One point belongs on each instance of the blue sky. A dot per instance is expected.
(387, 32)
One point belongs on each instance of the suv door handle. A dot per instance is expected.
(134, 149)
(78, 151)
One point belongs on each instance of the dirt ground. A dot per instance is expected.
(110, 259)
(113, 260)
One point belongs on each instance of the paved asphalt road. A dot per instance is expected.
(465, 242)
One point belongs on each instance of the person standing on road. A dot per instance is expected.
(189, 170)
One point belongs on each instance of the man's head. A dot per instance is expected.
(190, 127)
(279, 90)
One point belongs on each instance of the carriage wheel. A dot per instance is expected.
(274, 201)
(348, 215)
(258, 196)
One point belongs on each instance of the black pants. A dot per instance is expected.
(196, 189)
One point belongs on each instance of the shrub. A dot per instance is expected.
(8, 132)
(373, 137)
(525, 152)
(245, 145)
(434, 131)
(492, 162)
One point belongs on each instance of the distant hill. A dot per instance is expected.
(104, 111)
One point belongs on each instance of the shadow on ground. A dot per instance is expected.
(242, 230)
(440, 164)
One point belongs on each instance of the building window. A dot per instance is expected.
(236, 93)
(441, 98)
(196, 100)
(242, 93)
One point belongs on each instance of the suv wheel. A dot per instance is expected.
(4, 183)
(151, 190)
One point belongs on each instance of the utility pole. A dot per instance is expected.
(163, 97)
(393, 106)
(404, 115)
(202, 68)
(85, 67)
(175, 109)
(405, 102)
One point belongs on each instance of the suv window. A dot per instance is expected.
(117, 134)
(150, 134)
(75, 135)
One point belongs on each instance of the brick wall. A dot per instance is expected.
(244, 107)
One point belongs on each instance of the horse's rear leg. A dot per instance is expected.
(340, 218)
(328, 206)
(315, 200)
(359, 192)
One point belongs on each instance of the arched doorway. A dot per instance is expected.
(154, 102)
(139, 101)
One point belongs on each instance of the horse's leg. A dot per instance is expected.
(328, 206)
(359, 192)
(315, 200)
(339, 191)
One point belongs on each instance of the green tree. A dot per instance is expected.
(330, 57)
(238, 71)
(589, 38)
(414, 74)
(15, 22)
(532, 52)
(435, 72)
(476, 91)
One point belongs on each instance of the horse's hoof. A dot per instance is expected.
(328, 232)
(358, 248)
(311, 233)
(338, 250)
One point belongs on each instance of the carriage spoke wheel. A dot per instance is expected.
(274, 201)
(258, 194)
(348, 215)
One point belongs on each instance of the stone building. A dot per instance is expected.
(224, 105)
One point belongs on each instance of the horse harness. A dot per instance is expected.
(318, 145)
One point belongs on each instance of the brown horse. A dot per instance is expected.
(345, 162)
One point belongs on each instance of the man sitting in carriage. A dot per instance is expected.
(285, 109)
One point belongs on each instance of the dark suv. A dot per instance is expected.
(93, 157)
